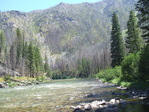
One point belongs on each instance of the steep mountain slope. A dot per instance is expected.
(67, 29)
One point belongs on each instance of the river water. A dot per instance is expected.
(55, 96)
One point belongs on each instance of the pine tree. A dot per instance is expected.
(19, 44)
(25, 50)
(31, 60)
(38, 60)
(2, 45)
(13, 57)
(84, 67)
(144, 64)
(117, 44)
(25, 57)
(6, 58)
(47, 67)
(133, 40)
(143, 14)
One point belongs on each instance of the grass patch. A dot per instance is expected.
(1, 79)
(23, 78)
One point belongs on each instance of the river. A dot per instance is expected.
(56, 96)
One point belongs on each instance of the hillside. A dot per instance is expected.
(68, 31)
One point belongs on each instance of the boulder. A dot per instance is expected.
(87, 107)
(72, 107)
(142, 98)
(2, 85)
(101, 106)
(113, 101)
(99, 102)
(94, 105)
(79, 106)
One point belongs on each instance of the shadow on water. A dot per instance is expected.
(134, 108)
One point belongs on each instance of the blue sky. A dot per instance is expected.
(29, 5)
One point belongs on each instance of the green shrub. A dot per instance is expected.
(130, 67)
(110, 74)
(124, 84)
(59, 75)
(49, 73)
(41, 78)
(11, 84)
(63, 74)
(144, 64)
(7, 78)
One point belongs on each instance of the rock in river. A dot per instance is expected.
(87, 107)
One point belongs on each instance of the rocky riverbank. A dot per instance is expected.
(17, 83)
(13, 82)
(116, 104)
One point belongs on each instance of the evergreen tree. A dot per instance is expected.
(6, 59)
(13, 57)
(84, 67)
(2, 45)
(38, 60)
(143, 14)
(19, 44)
(25, 57)
(47, 67)
(117, 44)
(133, 40)
(144, 64)
(25, 50)
(31, 60)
